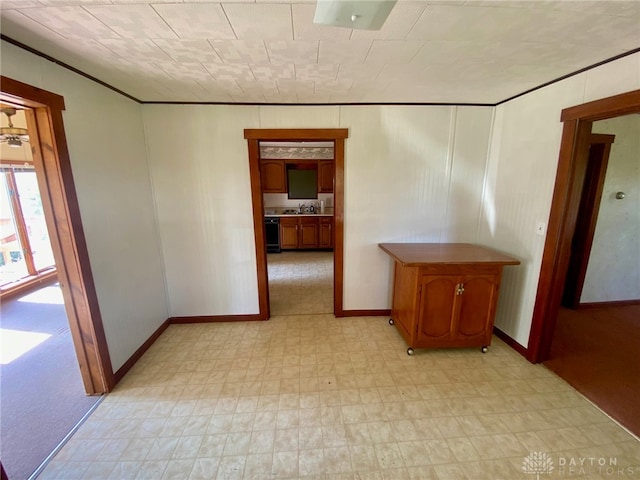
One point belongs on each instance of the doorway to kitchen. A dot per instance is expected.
(297, 182)
(307, 225)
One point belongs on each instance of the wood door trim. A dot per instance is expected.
(338, 226)
(586, 226)
(573, 148)
(337, 135)
(258, 228)
(59, 200)
(609, 107)
(293, 134)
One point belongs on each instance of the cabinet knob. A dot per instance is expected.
(460, 289)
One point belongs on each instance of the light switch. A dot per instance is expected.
(540, 226)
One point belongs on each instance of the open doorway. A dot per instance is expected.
(297, 181)
(73, 301)
(594, 345)
(612, 327)
(315, 234)
(43, 113)
(42, 394)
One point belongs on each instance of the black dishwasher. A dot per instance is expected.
(272, 234)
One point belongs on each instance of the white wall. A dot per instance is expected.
(613, 272)
(520, 177)
(411, 174)
(200, 170)
(106, 144)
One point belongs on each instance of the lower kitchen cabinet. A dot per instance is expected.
(308, 237)
(326, 232)
(288, 233)
(306, 232)
(445, 295)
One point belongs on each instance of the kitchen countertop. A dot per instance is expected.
(299, 215)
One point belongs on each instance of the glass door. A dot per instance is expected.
(25, 249)
(12, 263)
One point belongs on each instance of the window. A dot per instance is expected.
(25, 249)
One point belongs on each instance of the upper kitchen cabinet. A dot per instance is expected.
(273, 176)
(325, 176)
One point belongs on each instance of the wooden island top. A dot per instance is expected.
(422, 254)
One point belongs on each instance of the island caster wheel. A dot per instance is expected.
(409, 351)
(484, 349)
(391, 322)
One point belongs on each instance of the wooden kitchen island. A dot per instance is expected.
(445, 294)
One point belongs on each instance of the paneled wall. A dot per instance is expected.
(520, 177)
(107, 148)
(202, 191)
(613, 273)
(411, 174)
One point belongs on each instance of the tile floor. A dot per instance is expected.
(312, 396)
(306, 395)
(300, 282)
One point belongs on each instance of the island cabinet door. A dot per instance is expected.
(456, 310)
(477, 297)
(436, 309)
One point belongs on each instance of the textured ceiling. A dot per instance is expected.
(271, 52)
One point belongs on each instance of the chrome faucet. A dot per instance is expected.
(301, 207)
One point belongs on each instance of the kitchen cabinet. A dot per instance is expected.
(288, 233)
(308, 232)
(325, 176)
(300, 232)
(273, 176)
(326, 232)
(445, 295)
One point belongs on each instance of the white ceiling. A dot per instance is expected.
(271, 52)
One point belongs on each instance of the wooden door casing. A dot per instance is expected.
(587, 218)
